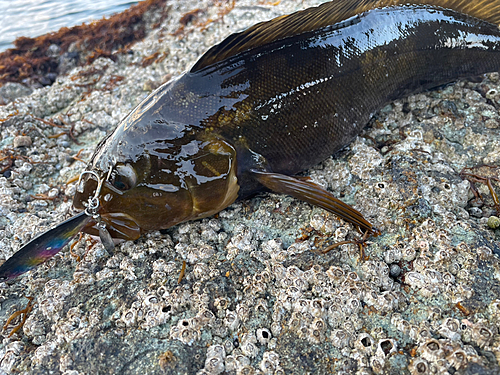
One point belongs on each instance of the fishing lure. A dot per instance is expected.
(268, 103)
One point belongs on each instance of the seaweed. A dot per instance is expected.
(40, 59)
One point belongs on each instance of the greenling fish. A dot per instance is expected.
(268, 103)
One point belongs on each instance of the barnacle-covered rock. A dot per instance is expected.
(483, 334)
(457, 358)
(251, 269)
(214, 363)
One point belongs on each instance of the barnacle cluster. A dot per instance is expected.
(254, 297)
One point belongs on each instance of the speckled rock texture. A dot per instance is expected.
(255, 297)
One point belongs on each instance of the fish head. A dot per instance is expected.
(164, 184)
(160, 167)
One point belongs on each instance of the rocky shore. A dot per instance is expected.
(254, 297)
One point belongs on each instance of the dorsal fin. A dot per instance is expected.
(328, 14)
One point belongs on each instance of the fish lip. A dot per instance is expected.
(110, 186)
(113, 219)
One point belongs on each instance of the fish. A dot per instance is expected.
(266, 104)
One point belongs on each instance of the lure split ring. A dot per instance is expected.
(93, 206)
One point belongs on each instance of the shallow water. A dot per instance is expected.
(35, 17)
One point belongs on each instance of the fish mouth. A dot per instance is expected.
(118, 224)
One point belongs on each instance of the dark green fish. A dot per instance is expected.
(275, 100)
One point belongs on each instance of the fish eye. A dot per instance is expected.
(125, 177)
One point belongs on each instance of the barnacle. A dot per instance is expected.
(450, 328)
(386, 347)
(186, 330)
(206, 316)
(482, 335)
(423, 332)
(421, 263)
(448, 278)
(201, 271)
(408, 253)
(214, 363)
(336, 274)
(270, 362)
(401, 324)
(243, 312)
(221, 303)
(150, 300)
(263, 335)
(267, 367)
(301, 284)
(431, 350)
(457, 358)
(377, 364)
(232, 320)
(393, 255)
(245, 370)
(432, 276)
(415, 279)
(231, 363)
(188, 336)
(315, 336)
(317, 307)
(276, 328)
(261, 306)
(340, 338)
(129, 318)
(365, 343)
(249, 349)
(419, 366)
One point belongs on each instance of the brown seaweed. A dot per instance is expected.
(107, 37)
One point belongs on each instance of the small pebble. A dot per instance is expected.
(476, 212)
(493, 222)
(22, 141)
(394, 270)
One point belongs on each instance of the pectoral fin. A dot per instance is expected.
(308, 191)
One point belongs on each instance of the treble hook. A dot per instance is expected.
(92, 209)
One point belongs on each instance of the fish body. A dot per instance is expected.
(195, 144)
(275, 100)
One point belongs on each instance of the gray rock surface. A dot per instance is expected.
(255, 298)
(11, 91)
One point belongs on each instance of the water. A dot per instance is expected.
(36, 17)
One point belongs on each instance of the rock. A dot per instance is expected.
(11, 91)
(22, 141)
